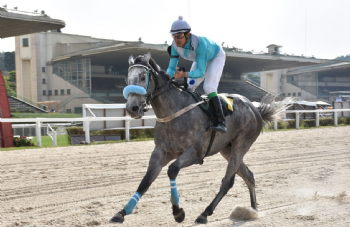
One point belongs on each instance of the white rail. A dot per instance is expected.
(87, 120)
(127, 119)
(317, 112)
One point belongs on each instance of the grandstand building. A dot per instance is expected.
(324, 82)
(73, 69)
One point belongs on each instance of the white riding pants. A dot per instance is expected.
(212, 74)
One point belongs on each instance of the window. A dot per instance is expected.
(299, 93)
(25, 42)
(43, 69)
(294, 94)
(56, 92)
(62, 91)
(69, 111)
(290, 79)
(44, 81)
(50, 92)
(44, 92)
(68, 91)
(283, 94)
(288, 94)
(78, 109)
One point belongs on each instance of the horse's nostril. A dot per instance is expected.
(135, 108)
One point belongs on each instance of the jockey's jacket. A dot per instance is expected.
(199, 49)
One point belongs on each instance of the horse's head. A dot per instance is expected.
(141, 84)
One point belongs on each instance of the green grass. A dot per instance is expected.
(44, 115)
(62, 141)
(46, 141)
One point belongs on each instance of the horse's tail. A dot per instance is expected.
(269, 109)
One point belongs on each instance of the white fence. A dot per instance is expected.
(317, 112)
(127, 120)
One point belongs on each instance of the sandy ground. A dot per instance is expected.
(302, 177)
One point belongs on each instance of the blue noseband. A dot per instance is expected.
(136, 88)
(133, 89)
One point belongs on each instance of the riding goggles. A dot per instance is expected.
(178, 36)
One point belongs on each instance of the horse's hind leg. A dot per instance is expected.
(248, 178)
(246, 174)
(157, 161)
(235, 157)
(188, 158)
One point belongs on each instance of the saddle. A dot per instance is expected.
(208, 109)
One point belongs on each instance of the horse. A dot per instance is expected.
(185, 136)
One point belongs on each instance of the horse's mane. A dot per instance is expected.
(153, 64)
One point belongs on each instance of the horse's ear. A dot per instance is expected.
(131, 59)
(147, 56)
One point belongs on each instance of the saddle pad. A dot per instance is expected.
(226, 101)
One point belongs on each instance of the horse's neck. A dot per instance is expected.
(170, 102)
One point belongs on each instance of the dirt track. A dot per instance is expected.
(302, 177)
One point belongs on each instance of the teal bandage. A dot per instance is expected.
(132, 203)
(174, 196)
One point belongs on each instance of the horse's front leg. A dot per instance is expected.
(188, 158)
(158, 160)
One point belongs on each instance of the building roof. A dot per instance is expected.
(237, 62)
(15, 24)
(273, 45)
(321, 67)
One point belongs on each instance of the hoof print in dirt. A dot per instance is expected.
(201, 219)
(179, 214)
(118, 218)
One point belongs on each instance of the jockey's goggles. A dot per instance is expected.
(178, 35)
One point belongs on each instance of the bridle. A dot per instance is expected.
(157, 91)
(144, 91)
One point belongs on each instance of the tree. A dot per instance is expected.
(10, 86)
(343, 58)
(2, 63)
(12, 76)
(9, 61)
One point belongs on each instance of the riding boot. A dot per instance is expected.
(221, 127)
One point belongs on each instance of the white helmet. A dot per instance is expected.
(180, 26)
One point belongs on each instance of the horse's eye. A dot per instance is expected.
(143, 78)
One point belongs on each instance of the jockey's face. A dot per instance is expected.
(181, 39)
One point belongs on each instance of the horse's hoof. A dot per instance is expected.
(201, 219)
(179, 214)
(118, 218)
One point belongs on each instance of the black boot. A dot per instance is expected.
(221, 127)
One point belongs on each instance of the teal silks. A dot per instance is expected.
(136, 88)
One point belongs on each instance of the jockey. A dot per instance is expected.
(208, 62)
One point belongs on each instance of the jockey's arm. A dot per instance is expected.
(201, 60)
(173, 62)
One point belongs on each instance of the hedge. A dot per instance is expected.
(134, 133)
(310, 123)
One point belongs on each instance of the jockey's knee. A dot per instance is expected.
(209, 90)
(173, 171)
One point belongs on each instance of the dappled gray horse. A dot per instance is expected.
(186, 138)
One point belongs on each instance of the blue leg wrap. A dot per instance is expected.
(132, 203)
(174, 196)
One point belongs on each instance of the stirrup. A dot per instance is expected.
(219, 128)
